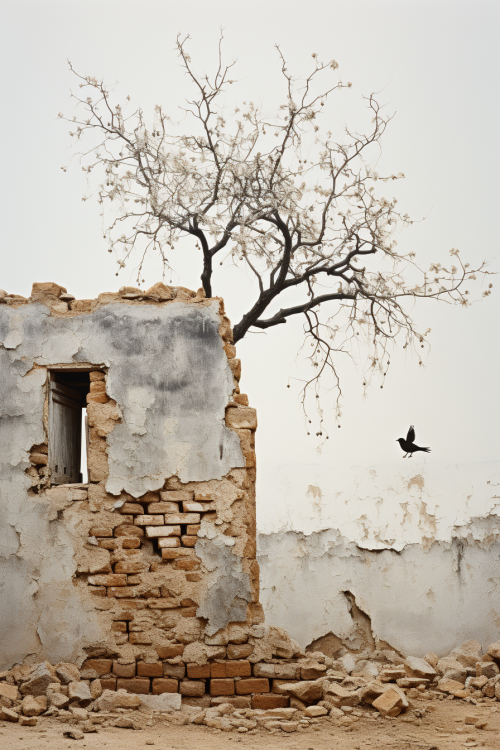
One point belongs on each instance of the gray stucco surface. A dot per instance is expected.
(169, 375)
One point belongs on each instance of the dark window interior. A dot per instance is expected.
(67, 402)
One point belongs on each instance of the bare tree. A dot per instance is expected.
(277, 195)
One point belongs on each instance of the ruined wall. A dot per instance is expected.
(407, 554)
(157, 552)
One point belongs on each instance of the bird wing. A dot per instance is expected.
(411, 434)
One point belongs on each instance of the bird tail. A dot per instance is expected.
(426, 450)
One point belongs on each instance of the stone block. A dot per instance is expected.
(339, 696)
(32, 707)
(192, 688)
(67, 673)
(9, 691)
(252, 685)
(270, 701)
(39, 679)
(164, 685)
(79, 692)
(111, 701)
(139, 685)
(149, 670)
(487, 668)
(6, 714)
(449, 686)
(222, 687)
(416, 667)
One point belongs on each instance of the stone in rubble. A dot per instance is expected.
(79, 691)
(488, 689)
(28, 721)
(468, 653)
(339, 696)
(449, 686)
(494, 650)
(497, 690)
(432, 659)
(163, 702)
(389, 703)
(416, 667)
(58, 700)
(124, 723)
(111, 700)
(315, 711)
(309, 691)
(95, 689)
(7, 715)
(348, 663)
(487, 668)
(9, 691)
(460, 675)
(68, 673)
(411, 682)
(75, 734)
(391, 675)
(31, 707)
(446, 663)
(39, 680)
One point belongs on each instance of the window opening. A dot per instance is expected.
(68, 429)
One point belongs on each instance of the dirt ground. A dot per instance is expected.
(441, 728)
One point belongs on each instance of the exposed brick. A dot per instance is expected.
(174, 518)
(238, 669)
(131, 603)
(140, 639)
(123, 591)
(109, 543)
(187, 602)
(130, 542)
(119, 627)
(189, 611)
(253, 685)
(131, 566)
(222, 687)
(193, 528)
(174, 670)
(192, 688)
(169, 541)
(163, 508)
(96, 375)
(198, 672)
(111, 579)
(133, 508)
(124, 670)
(239, 650)
(164, 685)
(101, 666)
(129, 530)
(173, 554)
(149, 520)
(270, 701)
(149, 670)
(108, 683)
(101, 531)
(188, 541)
(154, 532)
(170, 652)
(218, 670)
(193, 577)
(98, 591)
(238, 701)
(124, 616)
(177, 496)
(241, 418)
(134, 685)
(186, 564)
(193, 507)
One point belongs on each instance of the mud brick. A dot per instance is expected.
(150, 520)
(100, 531)
(129, 530)
(218, 670)
(130, 542)
(138, 685)
(174, 670)
(124, 616)
(189, 611)
(150, 497)
(270, 701)
(131, 603)
(238, 669)
(119, 627)
(164, 685)
(252, 685)
(163, 507)
(169, 542)
(99, 591)
(222, 687)
(204, 495)
(108, 683)
(192, 507)
(140, 639)
(193, 577)
(238, 701)
(239, 650)
(186, 564)
(188, 541)
(170, 652)
(120, 592)
(193, 528)
(134, 580)
(101, 666)
(124, 670)
(173, 554)
(174, 518)
(192, 688)
(131, 566)
(132, 508)
(177, 496)
(109, 579)
(241, 418)
(198, 672)
(109, 543)
(149, 670)
(153, 532)
(96, 375)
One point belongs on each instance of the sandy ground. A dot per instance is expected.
(440, 729)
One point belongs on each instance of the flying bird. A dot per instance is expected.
(409, 446)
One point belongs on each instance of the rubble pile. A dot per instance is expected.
(276, 693)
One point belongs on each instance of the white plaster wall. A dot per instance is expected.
(417, 543)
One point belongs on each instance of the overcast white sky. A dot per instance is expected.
(436, 64)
